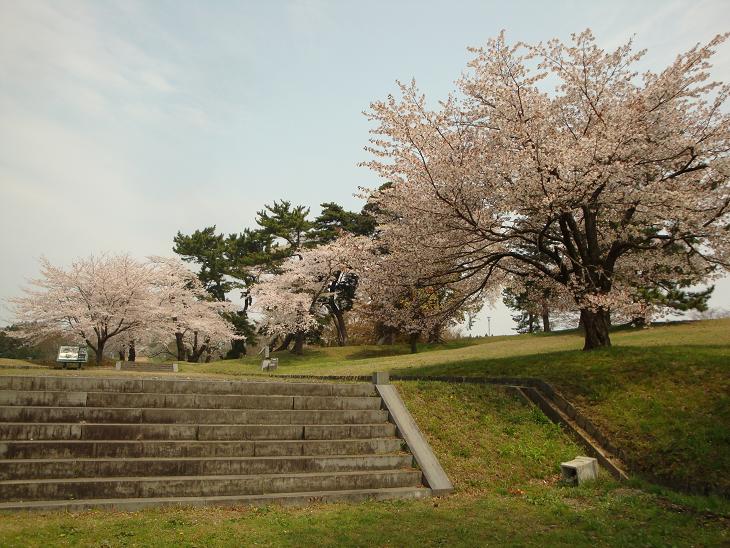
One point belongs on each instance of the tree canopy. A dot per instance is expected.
(611, 171)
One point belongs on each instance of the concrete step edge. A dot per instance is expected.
(184, 409)
(222, 477)
(6, 379)
(168, 424)
(226, 395)
(123, 395)
(80, 442)
(301, 498)
(192, 459)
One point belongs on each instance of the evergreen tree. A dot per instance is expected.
(289, 223)
(334, 219)
(526, 319)
(208, 250)
(225, 265)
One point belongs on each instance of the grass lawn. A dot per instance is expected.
(501, 454)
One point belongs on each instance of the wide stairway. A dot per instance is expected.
(126, 443)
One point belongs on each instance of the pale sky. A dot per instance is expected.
(124, 122)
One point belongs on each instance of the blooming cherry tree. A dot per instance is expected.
(391, 296)
(577, 186)
(296, 299)
(184, 310)
(96, 300)
(116, 303)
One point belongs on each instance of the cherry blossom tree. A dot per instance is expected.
(114, 302)
(303, 292)
(579, 186)
(97, 299)
(391, 296)
(184, 310)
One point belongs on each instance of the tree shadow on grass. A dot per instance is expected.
(385, 351)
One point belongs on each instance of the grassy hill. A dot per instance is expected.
(662, 394)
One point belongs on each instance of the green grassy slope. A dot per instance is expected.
(503, 458)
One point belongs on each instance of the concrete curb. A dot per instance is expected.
(433, 474)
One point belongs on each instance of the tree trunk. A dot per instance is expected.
(99, 351)
(285, 343)
(198, 351)
(435, 336)
(298, 343)
(595, 325)
(132, 352)
(413, 340)
(180, 343)
(385, 334)
(194, 353)
(545, 318)
(340, 326)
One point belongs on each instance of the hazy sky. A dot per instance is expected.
(124, 122)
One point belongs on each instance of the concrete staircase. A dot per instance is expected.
(126, 443)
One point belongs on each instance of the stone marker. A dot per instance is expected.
(269, 364)
(381, 377)
(118, 366)
(579, 469)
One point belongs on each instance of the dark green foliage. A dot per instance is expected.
(335, 219)
(20, 349)
(675, 295)
(287, 222)
(244, 327)
(668, 286)
(224, 263)
(12, 347)
(208, 250)
(526, 320)
(246, 249)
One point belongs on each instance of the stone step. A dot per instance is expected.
(208, 466)
(188, 416)
(203, 486)
(183, 401)
(287, 499)
(76, 431)
(182, 386)
(66, 449)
